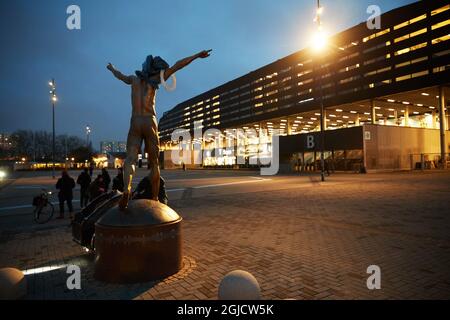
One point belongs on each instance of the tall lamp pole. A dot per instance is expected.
(54, 99)
(322, 133)
(320, 41)
(88, 132)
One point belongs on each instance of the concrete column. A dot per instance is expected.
(357, 120)
(260, 127)
(433, 119)
(203, 142)
(289, 126)
(373, 111)
(315, 161)
(260, 135)
(395, 116)
(442, 125)
(303, 162)
(324, 119)
(406, 116)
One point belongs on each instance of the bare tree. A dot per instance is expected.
(37, 145)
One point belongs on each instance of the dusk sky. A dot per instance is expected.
(244, 35)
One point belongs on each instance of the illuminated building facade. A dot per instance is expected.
(385, 93)
(113, 146)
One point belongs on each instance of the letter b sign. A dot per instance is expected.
(310, 142)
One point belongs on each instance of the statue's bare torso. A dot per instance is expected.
(142, 98)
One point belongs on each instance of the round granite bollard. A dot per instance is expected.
(239, 285)
(13, 284)
(142, 243)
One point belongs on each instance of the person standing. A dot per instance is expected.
(327, 166)
(96, 188)
(65, 185)
(84, 180)
(144, 190)
(106, 179)
(91, 169)
(118, 181)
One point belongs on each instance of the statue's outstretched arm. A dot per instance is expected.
(184, 62)
(119, 75)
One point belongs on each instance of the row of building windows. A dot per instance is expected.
(230, 100)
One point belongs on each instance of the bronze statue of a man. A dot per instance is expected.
(143, 124)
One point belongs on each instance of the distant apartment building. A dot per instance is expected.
(5, 141)
(113, 146)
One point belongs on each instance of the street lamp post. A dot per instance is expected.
(88, 132)
(322, 132)
(54, 99)
(319, 43)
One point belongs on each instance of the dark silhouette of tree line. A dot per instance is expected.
(37, 146)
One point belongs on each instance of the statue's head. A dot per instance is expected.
(151, 68)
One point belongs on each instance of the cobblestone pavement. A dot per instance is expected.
(310, 242)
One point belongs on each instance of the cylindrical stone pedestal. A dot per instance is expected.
(140, 244)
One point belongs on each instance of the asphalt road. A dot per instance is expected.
(16, 194)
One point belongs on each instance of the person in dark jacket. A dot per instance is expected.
(118, 183)
(327, 166)
(91, 168)
(96, 188)
(84, 180)
(106, 179)
(65, 186)
(144, 190)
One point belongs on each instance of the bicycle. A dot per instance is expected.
(44, 209)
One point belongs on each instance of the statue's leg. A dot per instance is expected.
(133, 146)
(152, 149)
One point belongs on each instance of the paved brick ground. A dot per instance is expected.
(314, 242)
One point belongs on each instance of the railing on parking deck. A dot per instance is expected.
(428, 161)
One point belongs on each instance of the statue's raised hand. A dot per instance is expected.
(205, 53)
(110, 67)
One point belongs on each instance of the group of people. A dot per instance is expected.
(89, 189)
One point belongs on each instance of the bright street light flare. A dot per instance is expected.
(319, 10)
(319, 40)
